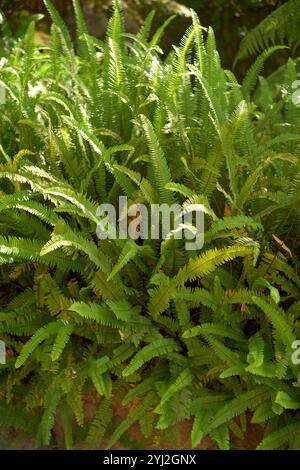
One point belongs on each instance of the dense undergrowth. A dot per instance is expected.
(165, 333)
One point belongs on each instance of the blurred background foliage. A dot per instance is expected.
(230, 19)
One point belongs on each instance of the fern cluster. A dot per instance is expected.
(171, 334)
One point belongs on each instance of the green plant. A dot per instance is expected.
(171, 334)
(279, 27)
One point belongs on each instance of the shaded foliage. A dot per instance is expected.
(169, 333)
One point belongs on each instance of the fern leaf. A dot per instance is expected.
(160, 347)
(61, 341)
(279, 437)
(40, 336)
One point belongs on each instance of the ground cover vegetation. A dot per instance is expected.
(167, 334)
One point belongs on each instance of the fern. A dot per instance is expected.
(279, 437)
(279, 26)
(149, 333)
(157, 348)
(36, 339)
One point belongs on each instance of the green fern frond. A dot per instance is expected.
(280, 437)
(280, 26)
(160, 347)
